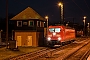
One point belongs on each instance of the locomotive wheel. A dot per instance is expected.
(68, 42)
(51, 45)
(72, 40)
(63, 43)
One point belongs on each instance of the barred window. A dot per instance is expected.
(38, 23)
(31, 23)
(19, 23)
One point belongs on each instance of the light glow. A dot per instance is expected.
(84, 17)
(59, 39)
(54, 33)
(60, 4)
(49, 38)
(46, 17)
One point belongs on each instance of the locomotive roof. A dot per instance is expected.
(67, 27)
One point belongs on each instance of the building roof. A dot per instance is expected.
(26, 14)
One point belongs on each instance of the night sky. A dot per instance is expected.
(72, 9)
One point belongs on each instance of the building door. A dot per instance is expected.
(29, 41)
(18, 40)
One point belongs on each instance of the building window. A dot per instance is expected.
(24, 23)
(31, 23)
(42, 24)
(38, 23)
(19, 23)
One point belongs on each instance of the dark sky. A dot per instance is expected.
(72, 8)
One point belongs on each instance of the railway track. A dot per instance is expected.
(79, 53)
(67, 52)
(46, 52)
(86, 55)
(32, 55)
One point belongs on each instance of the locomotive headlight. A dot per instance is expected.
(49, 38)
(59, 39)
(54, 33)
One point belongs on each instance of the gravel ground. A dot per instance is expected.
(6, 53)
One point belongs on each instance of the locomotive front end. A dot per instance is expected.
(54, 37)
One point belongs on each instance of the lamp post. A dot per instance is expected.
(84, 21)
(66, 24)
(88, 29)
(12, 34)
(6, 23)
(46, 17)
(61, 10)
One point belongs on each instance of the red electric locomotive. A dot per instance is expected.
(57, 35)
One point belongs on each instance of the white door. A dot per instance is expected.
(29, 41)
(18, 41)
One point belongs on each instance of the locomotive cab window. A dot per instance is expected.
(54, 30)
(51, 30)
(57, 29)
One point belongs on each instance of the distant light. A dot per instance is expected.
(84, 20)
(67, 22)
(88, 23)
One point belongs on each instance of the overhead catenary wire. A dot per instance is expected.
(86, 4)
(78, 6)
